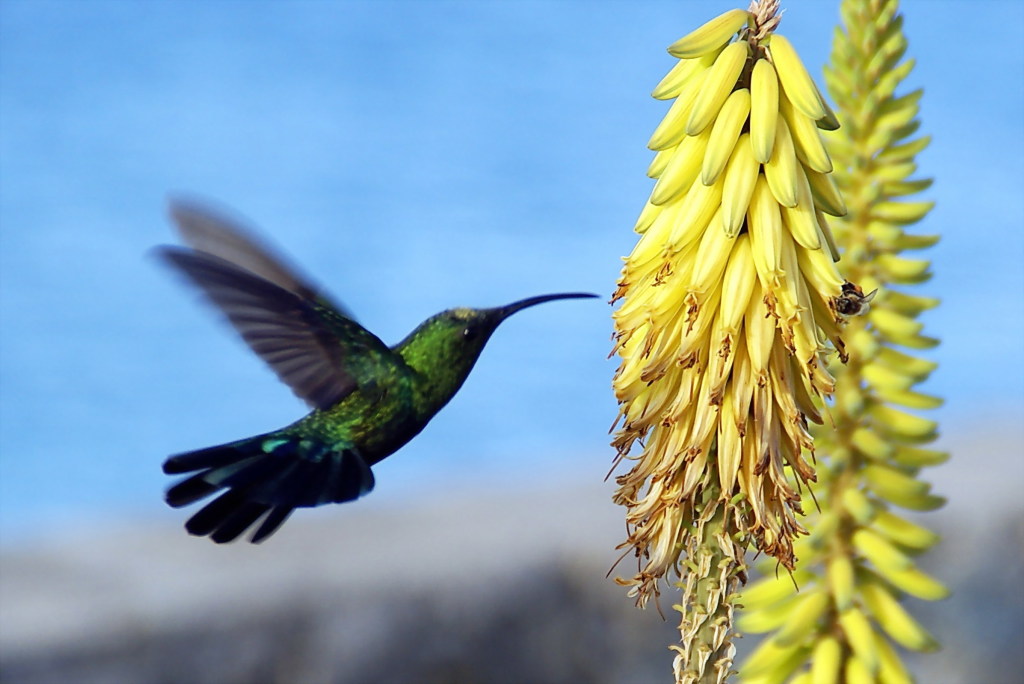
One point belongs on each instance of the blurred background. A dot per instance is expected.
(412, 157)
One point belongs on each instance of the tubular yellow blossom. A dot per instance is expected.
(729, 304)
(861, 551)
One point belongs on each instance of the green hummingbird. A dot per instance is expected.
(367, 399)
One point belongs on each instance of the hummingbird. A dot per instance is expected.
(367, 400)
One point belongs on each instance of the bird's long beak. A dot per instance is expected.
(509, 309)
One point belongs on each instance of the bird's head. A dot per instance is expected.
(449, 343)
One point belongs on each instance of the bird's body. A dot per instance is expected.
(368, 400)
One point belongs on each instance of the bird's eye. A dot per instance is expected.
(469, 332)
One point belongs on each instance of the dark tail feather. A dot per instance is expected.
(350, 478)
(213, 514)
(239, 521)
(271, 523)
(189, 491)
(258, 472)
(296, 485)
(267, 475)
(214, 457)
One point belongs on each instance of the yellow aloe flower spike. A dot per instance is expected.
(861, 552)
(730, 305)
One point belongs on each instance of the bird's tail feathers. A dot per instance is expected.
(266, 477)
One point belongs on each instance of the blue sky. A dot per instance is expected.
(411, 157)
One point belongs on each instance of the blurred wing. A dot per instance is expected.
(207, 231)
(316, 351)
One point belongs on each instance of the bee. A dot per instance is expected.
(852, 301)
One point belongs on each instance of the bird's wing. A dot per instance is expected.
(212, 232)
(318, 352)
